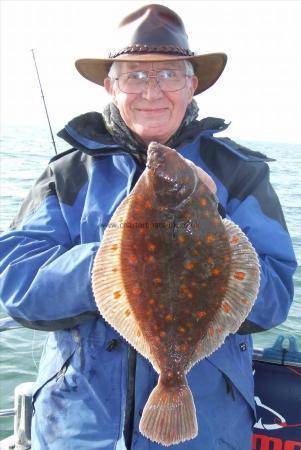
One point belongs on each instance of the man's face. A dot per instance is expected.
(152, 115)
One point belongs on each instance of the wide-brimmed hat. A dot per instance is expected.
(154, 33)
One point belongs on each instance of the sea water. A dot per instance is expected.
(25, 152)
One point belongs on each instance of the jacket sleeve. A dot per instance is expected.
(255, 207)
(45, 278)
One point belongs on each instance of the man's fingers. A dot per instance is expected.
(204, 177)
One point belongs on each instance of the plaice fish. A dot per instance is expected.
(174, 280)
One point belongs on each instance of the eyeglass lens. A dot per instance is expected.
(136, 82)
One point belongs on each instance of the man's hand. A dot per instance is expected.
(204, 177)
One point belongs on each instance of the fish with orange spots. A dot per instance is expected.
(177, 290)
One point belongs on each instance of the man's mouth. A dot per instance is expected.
(152, 110)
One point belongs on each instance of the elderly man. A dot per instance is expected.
(92, 386)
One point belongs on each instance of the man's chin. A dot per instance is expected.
(153, 136)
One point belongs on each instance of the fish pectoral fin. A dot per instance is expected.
(239, 297)
(108, 287)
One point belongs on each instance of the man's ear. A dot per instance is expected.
(194, 84)
(108, 85)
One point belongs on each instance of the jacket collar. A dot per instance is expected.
(88, 133)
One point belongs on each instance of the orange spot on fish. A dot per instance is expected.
(161, 306)
(127, 312)
(210, 238)
(245, 301)
(226, 258)
(210, 260)
(114, 247)
(157, 340)
(117, 294)
(139, 197)
(198, 242)
(148, 204)
(200, 314)
(239, 276)
(189, 295)
(151, 247)
(226, 307)
(114, 269)
(161, 208)
(141, 231)
(133, 259)
(162, 333)
(204, 284)
(234, 240)
(203, 202)
(215, 272)
(181, 330)
(136, 290)
(157, 280)
(169, 374)
(150, 259)
(188, 265)
(211, 331)
(215, 221)
(138, 333)
(189, 325)
(168, 317)
(187, 216)
(151, 301)
(181, 239)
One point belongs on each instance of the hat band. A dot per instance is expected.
(144, 48)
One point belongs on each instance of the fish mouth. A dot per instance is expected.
(155, 156)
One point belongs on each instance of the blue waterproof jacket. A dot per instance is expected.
(91, 389)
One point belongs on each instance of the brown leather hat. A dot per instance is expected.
(154, 33)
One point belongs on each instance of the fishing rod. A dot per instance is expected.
(49, 124)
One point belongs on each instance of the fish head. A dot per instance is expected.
(173, 179)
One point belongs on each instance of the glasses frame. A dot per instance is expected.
(155, 76)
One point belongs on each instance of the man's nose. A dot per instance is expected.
(152, 89)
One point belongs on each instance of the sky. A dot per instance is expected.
(259, 91)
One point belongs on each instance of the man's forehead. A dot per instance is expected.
(139, 65)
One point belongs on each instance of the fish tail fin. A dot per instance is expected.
(169, 415)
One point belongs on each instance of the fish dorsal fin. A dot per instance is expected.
(239, 297)
(108, 287)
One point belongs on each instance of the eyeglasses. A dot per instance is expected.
(169, 80)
